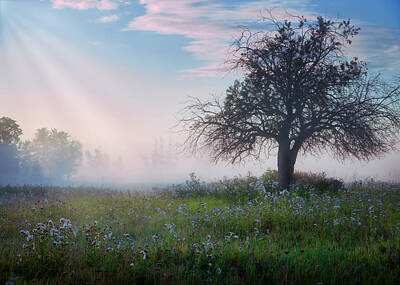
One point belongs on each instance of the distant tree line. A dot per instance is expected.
(51, 157)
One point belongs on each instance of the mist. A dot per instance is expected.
(121, 97)
(53, 157)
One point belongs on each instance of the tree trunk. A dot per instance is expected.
(286, 161)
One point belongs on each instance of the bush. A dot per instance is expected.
(318, 180)
(270, 176)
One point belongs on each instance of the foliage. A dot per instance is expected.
(270, 176)
(56, 153)
(318, 180)
(9, 131)
(51, 157)
(299, 93)
(233, 231)
(9, 163)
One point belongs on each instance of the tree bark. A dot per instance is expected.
(286, 161)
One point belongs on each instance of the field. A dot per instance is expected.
(236, 231)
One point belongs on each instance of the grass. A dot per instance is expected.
(238, 231)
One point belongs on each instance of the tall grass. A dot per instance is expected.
(234, 231)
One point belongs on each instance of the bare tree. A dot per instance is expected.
(299, 93)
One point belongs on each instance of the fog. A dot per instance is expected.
(136, 130)
(126, 110)
(146, 167)
(164, 162)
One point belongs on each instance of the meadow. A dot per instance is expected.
(233, 231)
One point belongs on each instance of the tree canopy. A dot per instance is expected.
(10, 131)
(299, 92)
(56, 153)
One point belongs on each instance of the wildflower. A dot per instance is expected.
(109, 235)
(284, 192)
(53, 232)
(170, 227)
(256, 231)
(64, 221)
(231, 235)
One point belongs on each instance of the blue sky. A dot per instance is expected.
(115, 73)
(190, 36)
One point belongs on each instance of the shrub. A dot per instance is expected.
(270, 176)
(318, 180)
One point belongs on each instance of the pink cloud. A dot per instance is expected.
(85, 4)
(210, 26)
(213, 69)
(107, 19)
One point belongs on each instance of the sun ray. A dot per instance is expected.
(63, 76)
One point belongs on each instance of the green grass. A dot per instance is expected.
(239, 231)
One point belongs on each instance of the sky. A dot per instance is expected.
(116, 73)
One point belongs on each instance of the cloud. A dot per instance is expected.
(85, 4)
(392, 49)
(210, 26)
(107, 19)
(378, 46)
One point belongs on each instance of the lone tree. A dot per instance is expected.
(299, 92)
